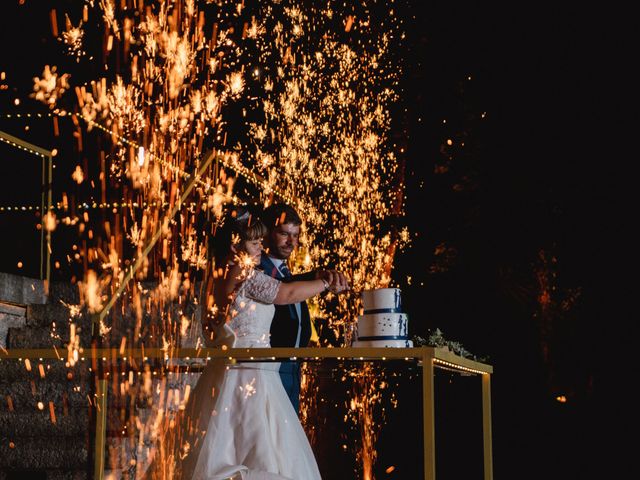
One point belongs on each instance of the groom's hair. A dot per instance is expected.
(280, 214)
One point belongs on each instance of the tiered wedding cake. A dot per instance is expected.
(383, 323)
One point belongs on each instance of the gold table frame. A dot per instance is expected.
(45, 205)
(430, 357)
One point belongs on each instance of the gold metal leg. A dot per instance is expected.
(49, 206)
(101, 429)
(428, 413)
(486, 426)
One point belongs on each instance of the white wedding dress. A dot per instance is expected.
(246, 426)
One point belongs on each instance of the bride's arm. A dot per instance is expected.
(219, 296)
(294, 292)
(224, 286)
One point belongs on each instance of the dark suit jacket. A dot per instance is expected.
(284, 327)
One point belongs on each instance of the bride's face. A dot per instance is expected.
(253, 248)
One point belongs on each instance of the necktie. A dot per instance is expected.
(286, 273)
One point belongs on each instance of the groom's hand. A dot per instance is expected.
(337, 281)
(322, 274)
(340, 283)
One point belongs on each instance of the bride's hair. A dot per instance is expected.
(238, 224)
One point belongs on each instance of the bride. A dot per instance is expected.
(240, 420)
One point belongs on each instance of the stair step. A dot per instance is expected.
(14, 370)
(36, 424)
(11, 316)
(23, 399)
(21, 290)
(65, 474)
(50, 474)
(44, 315)
(38, 337)
(36, 453)
(64, 291)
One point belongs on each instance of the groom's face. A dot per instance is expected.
(283, 240)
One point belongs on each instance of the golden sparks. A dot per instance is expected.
(72, 38)
(51, 86)
(294, 101)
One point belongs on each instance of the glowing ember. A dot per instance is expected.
(72, 38)
(51, 86)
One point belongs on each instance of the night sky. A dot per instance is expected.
(535, 187)
(543, 187)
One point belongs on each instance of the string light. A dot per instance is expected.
(241, 170)
(24, 355)
(457, 366)
(96, 205)
(27, 115)
(21, 147)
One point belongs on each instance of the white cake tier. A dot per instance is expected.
(383, 343)
(383, 325)
(382, 300)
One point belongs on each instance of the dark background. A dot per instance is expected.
(533, 195)
(542, 190)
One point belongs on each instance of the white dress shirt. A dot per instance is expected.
(278, 262)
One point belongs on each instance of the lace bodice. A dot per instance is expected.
(252, 310)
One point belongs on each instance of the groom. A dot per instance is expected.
(291, 325)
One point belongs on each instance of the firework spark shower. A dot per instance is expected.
(178, 108)
(293, 98)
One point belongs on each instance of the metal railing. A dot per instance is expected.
(45, 200)
(428, 357)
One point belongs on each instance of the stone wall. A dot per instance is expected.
(45, 419)
(33, 442)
